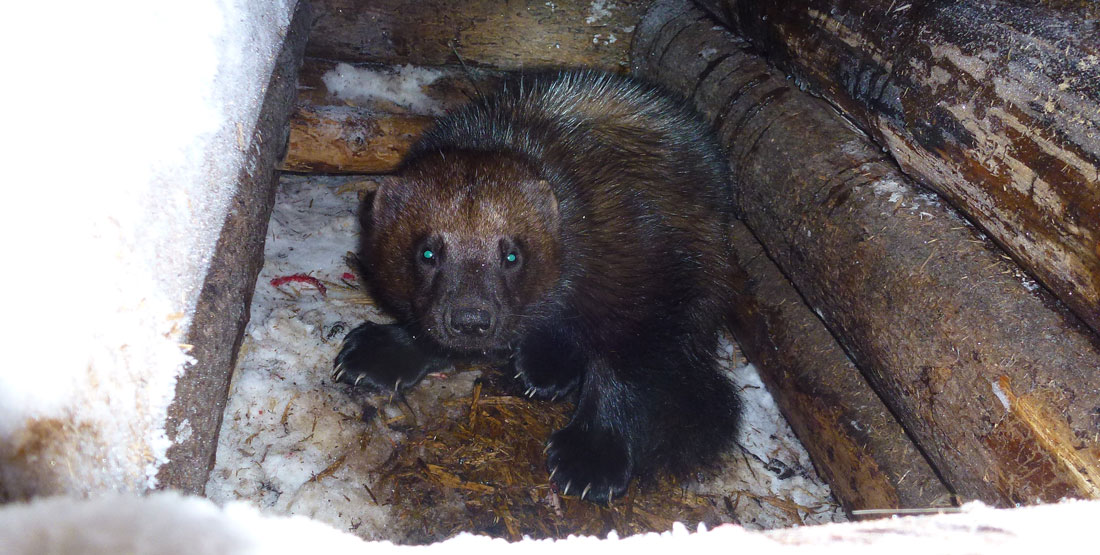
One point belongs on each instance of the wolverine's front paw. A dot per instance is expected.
(548, 369)
(384, 357)
(592, 464)
(542, 384)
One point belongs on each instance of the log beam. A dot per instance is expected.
(994, 104)
(854, 441)
(993, 381)
(509, 34)
(362, 118)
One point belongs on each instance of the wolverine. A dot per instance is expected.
(574, 227)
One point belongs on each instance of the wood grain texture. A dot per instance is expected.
(336, 129)
(502, 34)
(855, 442)
(993, 380)
(993, 104)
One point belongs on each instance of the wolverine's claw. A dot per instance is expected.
(358, 379)
(585, 492)
(518, 374)
(566, 490)
(546, 449)
(552, 472)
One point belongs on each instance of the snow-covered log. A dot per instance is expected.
(996, 384)
(994, 104)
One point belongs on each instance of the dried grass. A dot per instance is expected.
(493, 463)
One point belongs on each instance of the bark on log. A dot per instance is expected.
(994, 104)
(512, 34)
(856, 444)
(359, 119)
(996, 384)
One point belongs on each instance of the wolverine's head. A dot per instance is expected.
(463, 246)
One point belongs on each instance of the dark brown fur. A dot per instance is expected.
(612, 197)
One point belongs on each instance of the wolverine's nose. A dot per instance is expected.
(470, 321)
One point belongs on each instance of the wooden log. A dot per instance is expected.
(346, 139)
(363, 118)
(993, 104)
(509, 34)
(856, 444)
(994, 382)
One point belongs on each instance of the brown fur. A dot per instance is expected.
(577, 224)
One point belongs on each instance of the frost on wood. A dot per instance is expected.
(129, 143)
(294, 443)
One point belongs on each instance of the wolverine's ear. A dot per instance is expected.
(541, 195)
(387, 200)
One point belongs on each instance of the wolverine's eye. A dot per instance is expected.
(510, 256)
(428, 256)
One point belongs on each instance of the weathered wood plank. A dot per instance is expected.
(996, 385)
(195, 416)
(993, 104)
(856, 444)
(508, 34)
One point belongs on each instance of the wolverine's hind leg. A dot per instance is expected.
(662, 408)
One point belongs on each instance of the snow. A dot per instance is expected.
(169, 524)
(598, 10)
(123, 151)
(293, 443)
(403, 87)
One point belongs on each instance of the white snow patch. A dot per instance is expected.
(1001, 395)
(894, 188)
(169, 524)
(128, 154)
(404, 87)
(777, 463)
(598, 10)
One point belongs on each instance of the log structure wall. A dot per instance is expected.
(508, 34)
(995, 383)
(855, 442)
(993, 104)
